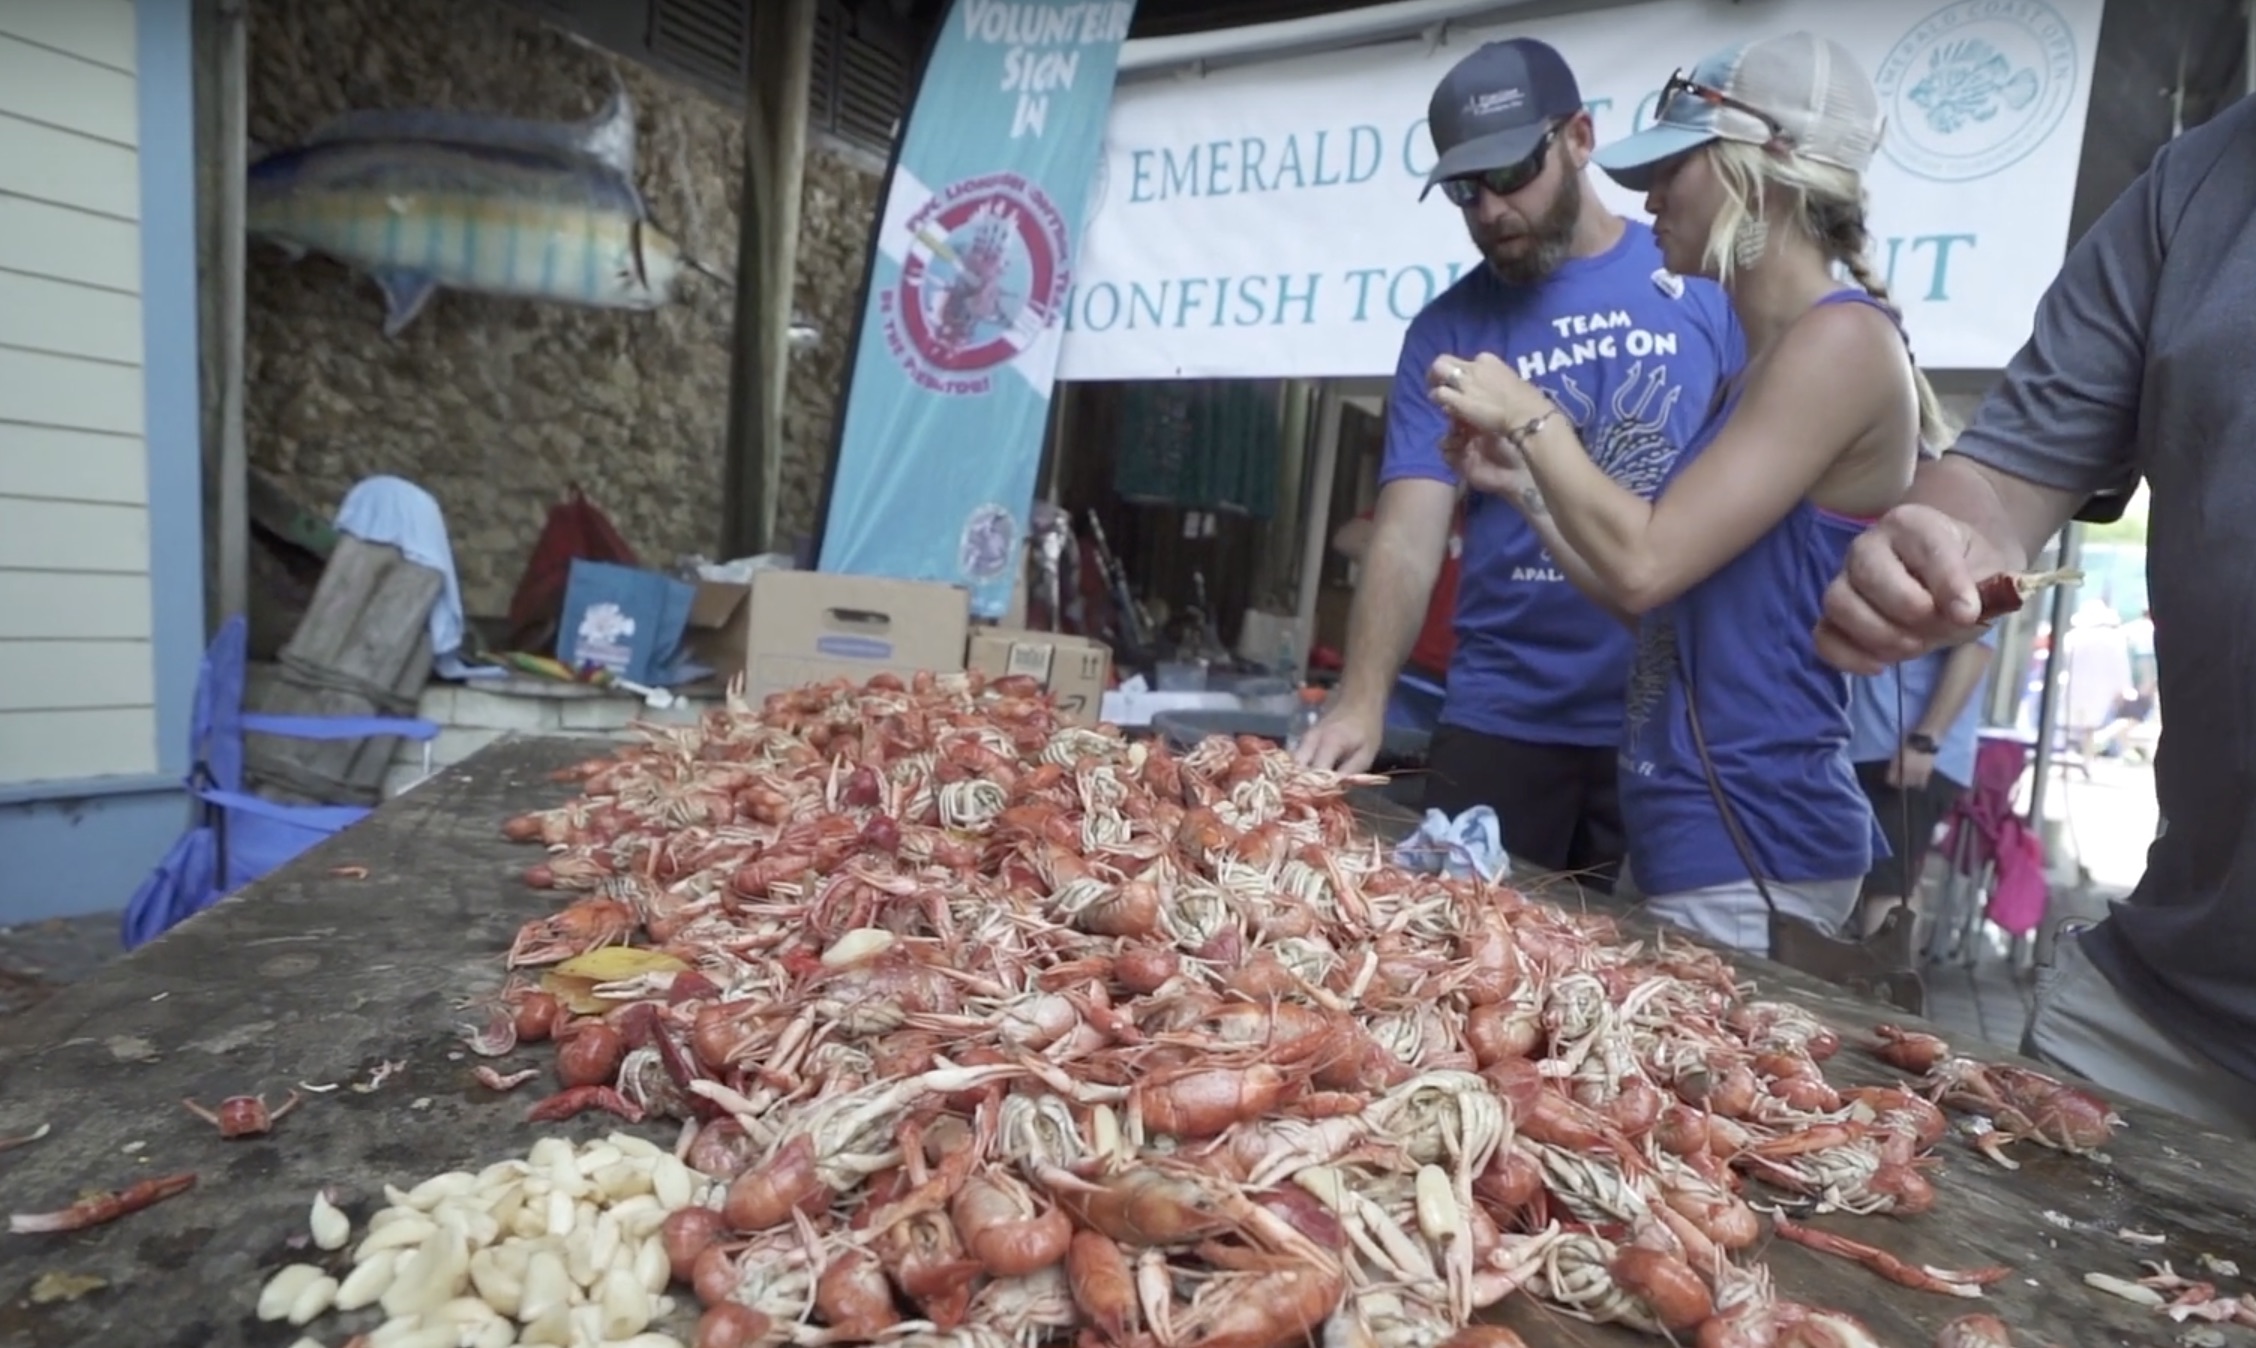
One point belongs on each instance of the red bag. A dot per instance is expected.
(575, 529)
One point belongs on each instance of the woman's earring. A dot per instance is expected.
(1749, 240)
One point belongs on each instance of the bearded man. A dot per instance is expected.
(1576, 298)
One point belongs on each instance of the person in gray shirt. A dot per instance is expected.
(2139, 366)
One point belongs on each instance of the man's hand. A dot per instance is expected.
(1911, 769)
(1347, 739)
(1907, 588)
(1487, 463)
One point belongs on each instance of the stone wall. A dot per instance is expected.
(496, 405)
(840, 202)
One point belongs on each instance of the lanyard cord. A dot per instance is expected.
(1738, 836)
(1730, 816)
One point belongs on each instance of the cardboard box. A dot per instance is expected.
(1076, 670)
(811, 626)
(720, 626)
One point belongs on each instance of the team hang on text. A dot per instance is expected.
(1034, 67)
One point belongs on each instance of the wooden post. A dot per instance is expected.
(775, 150)
(222, 75)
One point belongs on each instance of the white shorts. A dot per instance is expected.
(1735, 915)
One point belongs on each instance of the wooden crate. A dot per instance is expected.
(363, 649)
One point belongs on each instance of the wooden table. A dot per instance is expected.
(312, 976)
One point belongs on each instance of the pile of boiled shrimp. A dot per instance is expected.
(985, 1029)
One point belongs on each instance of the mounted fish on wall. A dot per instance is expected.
(419, 199)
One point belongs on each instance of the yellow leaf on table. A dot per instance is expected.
(576, 995)
(615, 962)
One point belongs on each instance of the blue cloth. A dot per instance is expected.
(235, 837)
(1470, 845)
(395, 511)
(1776, 716)
(1634, 356)
(1874, 733)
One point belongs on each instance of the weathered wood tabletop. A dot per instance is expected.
(319, 977)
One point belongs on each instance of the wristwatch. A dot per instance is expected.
(1920, 742)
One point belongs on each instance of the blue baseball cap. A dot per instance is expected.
(1492, 108)
(1802, 92)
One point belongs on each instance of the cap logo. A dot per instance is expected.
(1503, 100)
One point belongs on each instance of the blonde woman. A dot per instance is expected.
(1737, 794)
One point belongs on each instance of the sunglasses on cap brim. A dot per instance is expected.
(1465, 189)
(1681, 85)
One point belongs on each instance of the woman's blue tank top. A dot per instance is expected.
(1775, 717)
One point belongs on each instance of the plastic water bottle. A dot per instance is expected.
(1305, 716)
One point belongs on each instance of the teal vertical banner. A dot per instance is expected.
(949, 396)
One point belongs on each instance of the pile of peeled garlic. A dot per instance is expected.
(560, 1248)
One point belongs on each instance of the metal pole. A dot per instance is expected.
(2048, 699)
(1317, 511)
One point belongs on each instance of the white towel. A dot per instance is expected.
(1469, 845)
(397, 512)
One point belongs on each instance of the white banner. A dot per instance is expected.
(1264, 221)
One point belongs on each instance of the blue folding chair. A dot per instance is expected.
(234, 837)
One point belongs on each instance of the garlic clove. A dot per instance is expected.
(1438, 1216)
(330, 1227)
(399, 1235)
(431, 1192)
(282, 1290)
(598, 1157)
(317, 1297)
(497, 1279)
(624, 1305)
(365, 1284)
(651, 1267)
(670, 1180)
(856, 946)
(495, 1333)
(552, 1328)
(547, 1286)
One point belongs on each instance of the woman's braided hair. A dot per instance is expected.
(1828, 206)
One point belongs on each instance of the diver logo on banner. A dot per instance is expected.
(984, 276)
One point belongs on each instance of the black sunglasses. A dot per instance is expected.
(1466, 189)
(1682, 85)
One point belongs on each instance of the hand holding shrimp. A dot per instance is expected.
(1488, 395)
(1486, 463)
(1493, 415)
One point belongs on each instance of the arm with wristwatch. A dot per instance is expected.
(1961, 676)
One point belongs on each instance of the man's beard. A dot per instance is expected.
(1538, 253)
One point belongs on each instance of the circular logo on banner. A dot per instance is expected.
(985, 550)
(1976, 86)
(985, 275)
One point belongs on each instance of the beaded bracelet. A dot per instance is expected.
(1519, 437)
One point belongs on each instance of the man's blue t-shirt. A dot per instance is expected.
(1634, 355)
